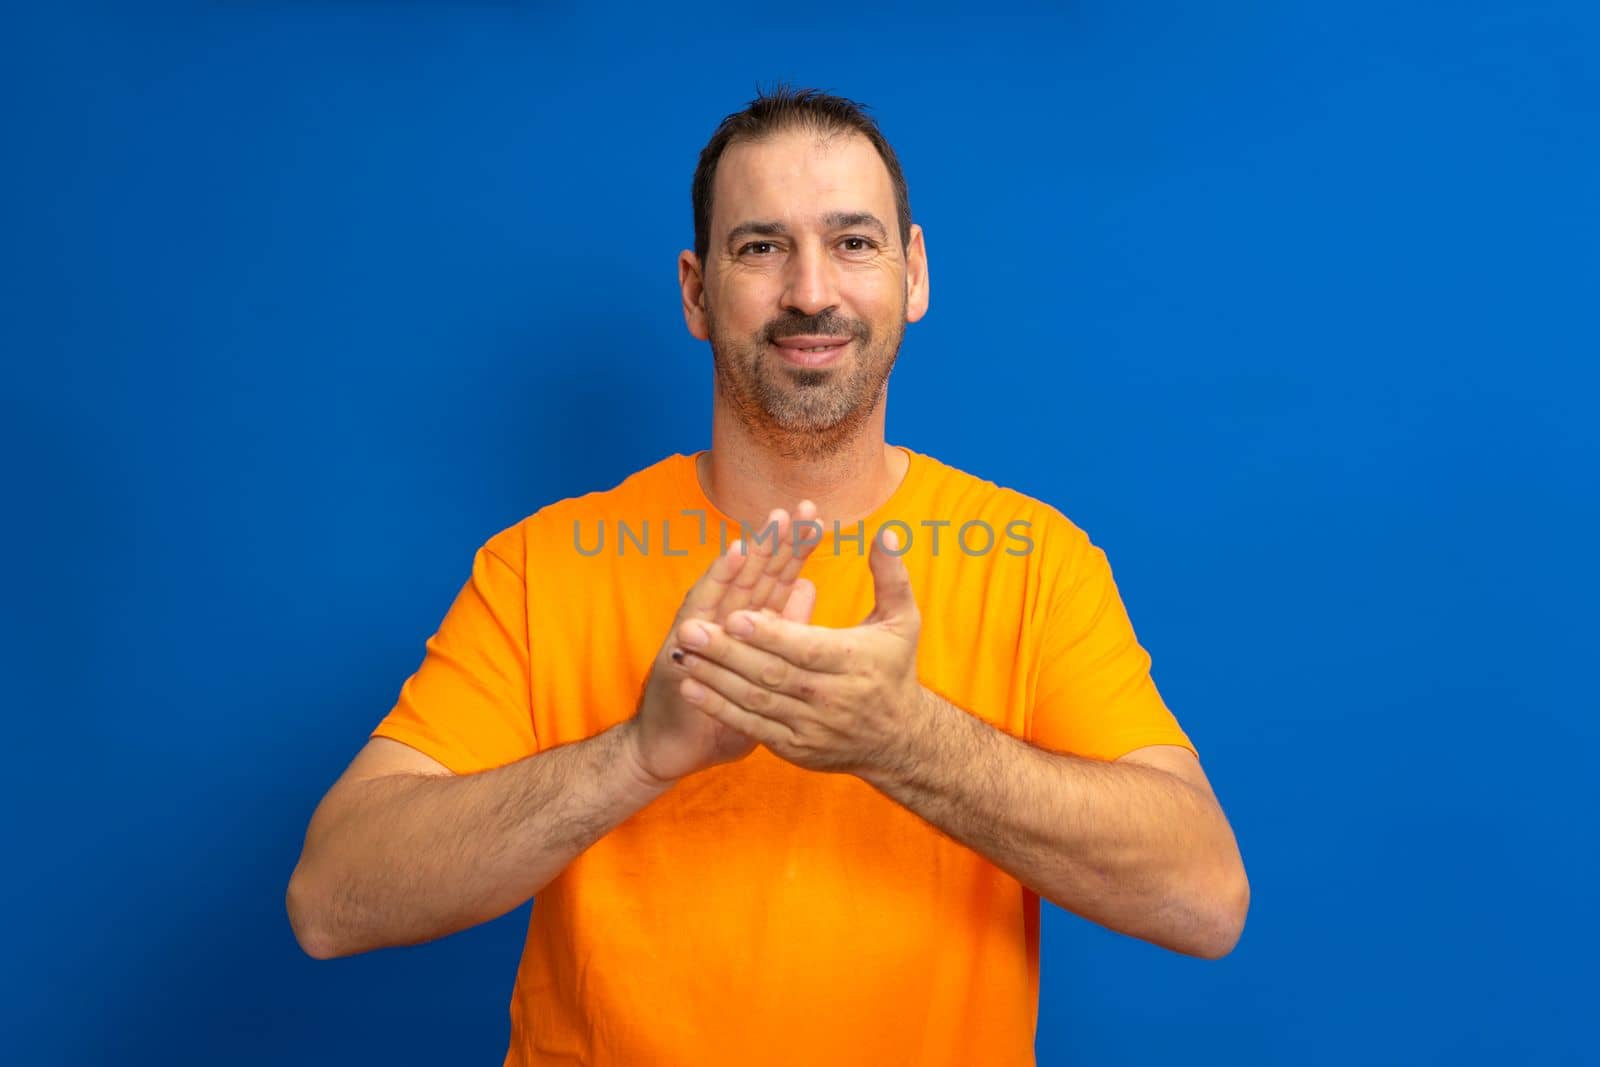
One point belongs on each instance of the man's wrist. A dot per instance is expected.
(915, 746)
(630, 752)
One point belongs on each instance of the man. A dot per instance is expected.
(793, 800)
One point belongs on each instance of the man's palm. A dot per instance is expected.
(675, 737)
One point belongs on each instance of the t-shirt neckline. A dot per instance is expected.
(828, 547)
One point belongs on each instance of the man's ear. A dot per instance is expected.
(916, 275)
(691, 283)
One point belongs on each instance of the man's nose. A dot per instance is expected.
(811, 283)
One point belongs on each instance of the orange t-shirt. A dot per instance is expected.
(758, 912)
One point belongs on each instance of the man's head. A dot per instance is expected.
(803, 234)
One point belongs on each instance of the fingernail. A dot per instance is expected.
(740, 625)
(694, 635)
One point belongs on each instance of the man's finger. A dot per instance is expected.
(707, 593)
(815, 648)
(802, 601)
(895, 602)
(762, 546)
(756, 681)
(708, 644)
(719, 707)
(800, 535)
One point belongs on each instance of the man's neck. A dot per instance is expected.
(746, 478)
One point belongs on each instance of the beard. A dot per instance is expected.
(804, 412)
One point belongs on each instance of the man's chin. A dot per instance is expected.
(787, 423)
(812, 423)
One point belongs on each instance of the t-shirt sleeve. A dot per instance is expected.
(1095, 696)
(469, 704)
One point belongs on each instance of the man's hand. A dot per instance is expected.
(672, 738)
(824, 699)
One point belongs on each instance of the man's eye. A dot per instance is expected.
(755, 245)
(859, 244)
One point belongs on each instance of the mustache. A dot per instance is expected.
(826, 324)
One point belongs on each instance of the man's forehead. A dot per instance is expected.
(802, 177)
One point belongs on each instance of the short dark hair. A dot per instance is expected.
(779, 111)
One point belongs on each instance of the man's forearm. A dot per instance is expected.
(408, 858)
(1127, 846)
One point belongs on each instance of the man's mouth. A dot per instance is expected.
(811, 350)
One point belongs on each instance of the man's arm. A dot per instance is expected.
(400, 858)
(1139, 845)
(401, 850)
(1144, 849)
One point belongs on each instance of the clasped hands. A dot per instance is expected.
(842, 700)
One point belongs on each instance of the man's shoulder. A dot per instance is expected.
(637, 497)
(954, 492)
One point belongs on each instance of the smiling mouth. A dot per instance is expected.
(812, 355)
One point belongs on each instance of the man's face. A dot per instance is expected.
(804, 251)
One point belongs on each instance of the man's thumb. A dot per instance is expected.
(891, 582)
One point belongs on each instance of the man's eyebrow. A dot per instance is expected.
(849, 220)
(758, 229)
(837, 220)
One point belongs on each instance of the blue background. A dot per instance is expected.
(1291, 306)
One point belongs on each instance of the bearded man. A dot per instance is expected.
(793, 798)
